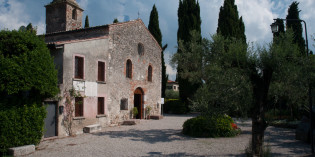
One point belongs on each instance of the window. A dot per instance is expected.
(79, 106)
(124, 104)
(129, 69)
(150, 73)
(101, 71)
(100, 106)
(79, 67)
(74, 14)
(140, 49)
(174, 87)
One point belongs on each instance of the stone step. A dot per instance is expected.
(92, 128)
(131, 122)
(156, 117)
(22, 150)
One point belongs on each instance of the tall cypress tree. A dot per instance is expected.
(296, 26)
(154, 28)
(87, 22)
(188, 20)
(230, 25)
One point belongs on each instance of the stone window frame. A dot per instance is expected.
(101, 75)
(140, 49)
(78, 70)
(129, 69)
(150, 73)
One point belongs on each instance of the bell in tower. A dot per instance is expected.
(63, 15)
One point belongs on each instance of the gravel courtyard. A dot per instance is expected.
(164, 138)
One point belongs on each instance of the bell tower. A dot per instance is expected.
(63, 15)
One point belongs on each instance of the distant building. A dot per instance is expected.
(172, 85)
(114, 67)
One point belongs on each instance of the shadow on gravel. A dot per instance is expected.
(187, 154)
(149, 136)
(285, 138)
(182, 115)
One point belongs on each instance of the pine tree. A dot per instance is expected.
(87, 23)
(229, 23)
(154, 28)
(188, 20)
(296, 26)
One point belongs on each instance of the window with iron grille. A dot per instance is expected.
(101, 71)
(100, 106)
(79, 67)
(150, 73)
(129, 69)
(124, 104)
(79, 102)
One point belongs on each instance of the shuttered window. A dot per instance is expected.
(79, 67)
(101, 71)
(100, 106)
(79, 102)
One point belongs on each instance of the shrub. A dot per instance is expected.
(174, 106)
(215, 126)
(21, 126)
(170, 94)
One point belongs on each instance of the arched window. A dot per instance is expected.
(74, 14)
(150, 73)
(140, 49)
(129, 69)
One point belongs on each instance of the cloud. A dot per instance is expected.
(12, 14)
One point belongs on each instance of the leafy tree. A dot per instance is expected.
(115, 20)
(28, 28)
(87, 22)
(238, 77)
(28, 72)
(296, 26)
(188, 20)
(229, 23)
(154, 28)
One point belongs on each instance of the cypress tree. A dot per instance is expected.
(229, 23)
(115, 20)
(188, 20)
(87, 23)
(154, 28)
(296, 26)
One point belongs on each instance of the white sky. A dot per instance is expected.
(257, 15)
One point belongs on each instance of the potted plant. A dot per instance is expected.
(148, 111)
(134, 112)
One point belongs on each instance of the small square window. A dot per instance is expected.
(124, 104)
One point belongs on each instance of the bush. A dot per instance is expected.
(174, 106)
(215, 126)
(170, 94)
(21, 126)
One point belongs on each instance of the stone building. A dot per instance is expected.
(113, 68)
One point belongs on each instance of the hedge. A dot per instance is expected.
(215, 126)
(174, 107)
(21, 126)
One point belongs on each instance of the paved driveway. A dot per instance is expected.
(164, 138)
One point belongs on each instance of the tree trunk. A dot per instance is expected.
(260, 92)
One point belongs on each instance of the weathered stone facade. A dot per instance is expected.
(113, 45)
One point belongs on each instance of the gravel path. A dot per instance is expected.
(164, 138)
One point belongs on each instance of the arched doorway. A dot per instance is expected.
(138, 102)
